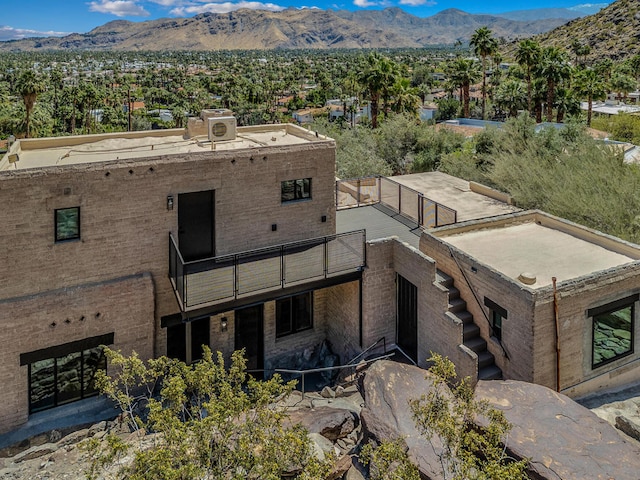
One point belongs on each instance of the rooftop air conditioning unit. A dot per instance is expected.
(222, 128)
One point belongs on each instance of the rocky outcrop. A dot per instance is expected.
(331, 423)
(562, 439)
(388, 388)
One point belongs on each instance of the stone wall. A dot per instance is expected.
(65, 315)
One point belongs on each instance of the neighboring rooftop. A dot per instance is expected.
(539, 245)
(470, 200)
(60, 151)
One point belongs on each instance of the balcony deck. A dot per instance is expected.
(218, 280)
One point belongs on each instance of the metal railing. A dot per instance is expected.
(225, 278)
(349, 365)
(399, 198)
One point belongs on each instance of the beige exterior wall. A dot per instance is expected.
(575, 298)
(124, 231)
(529, 332)
(28, 325)
(343, 319)
(517, 359)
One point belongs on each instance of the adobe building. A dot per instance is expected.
(155, 242)
(164, 241)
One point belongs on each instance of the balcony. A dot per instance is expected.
(398, 198)
(227, 278)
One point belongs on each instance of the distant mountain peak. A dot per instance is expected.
(292, 28)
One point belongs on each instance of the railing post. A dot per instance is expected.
(420, 209)
(236, 285)
(282, 279)
(358, 199)
(379, 180)
(399, 198)
(326, 257)
(435, 209)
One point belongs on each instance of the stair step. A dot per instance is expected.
(453, 293)
(469, 331)
(443, 278)
(457, 305)
(485, 359)
(477, 344)
(490, 373)
(464, 316)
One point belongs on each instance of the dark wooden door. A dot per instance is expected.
(407, 317)
(196, 225)
(249, 335)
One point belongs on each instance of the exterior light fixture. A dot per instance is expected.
(223, 324)
(169, 202)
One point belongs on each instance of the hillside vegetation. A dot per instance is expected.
(614, 32)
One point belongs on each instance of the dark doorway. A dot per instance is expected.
(199, 337)
(249, 335)
(407, 317)
(197, 331)
(196, 225)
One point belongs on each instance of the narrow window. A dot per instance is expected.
(613, 326)
(292, 190)
(294, 314)
(497, 315)
(67, 222)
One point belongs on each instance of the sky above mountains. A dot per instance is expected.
(36, 18)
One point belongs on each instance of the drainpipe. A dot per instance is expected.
(555, 314)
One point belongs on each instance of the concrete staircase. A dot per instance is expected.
(457, 308)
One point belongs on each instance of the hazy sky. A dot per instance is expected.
(28, 18)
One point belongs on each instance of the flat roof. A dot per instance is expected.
(540, 245)
(378, 222)
(71, 150)
(456, 193)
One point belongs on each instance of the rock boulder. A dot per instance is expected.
(563, 440)
(388, 389)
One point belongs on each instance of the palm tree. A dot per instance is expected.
(622, 84)
(527, 56)
(484, 45)
(590, 84)
(553, 67)
(29, 86)
(463, 73)
(405, 97)
(510, 96)
(377, 77)
(566, 103)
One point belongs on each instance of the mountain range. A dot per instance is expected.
(290, 28)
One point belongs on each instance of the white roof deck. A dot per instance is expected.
(455, 193)
(61, 151)
(540, 245)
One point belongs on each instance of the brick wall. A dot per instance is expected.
(517, 329)
(125, 225)
(575, 298)
(342, 319)
(27, 326)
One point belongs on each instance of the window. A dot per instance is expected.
(296, 190)
(64, 373)
(612, 330)
(67, 224)
(496, 316)
(294, 314)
